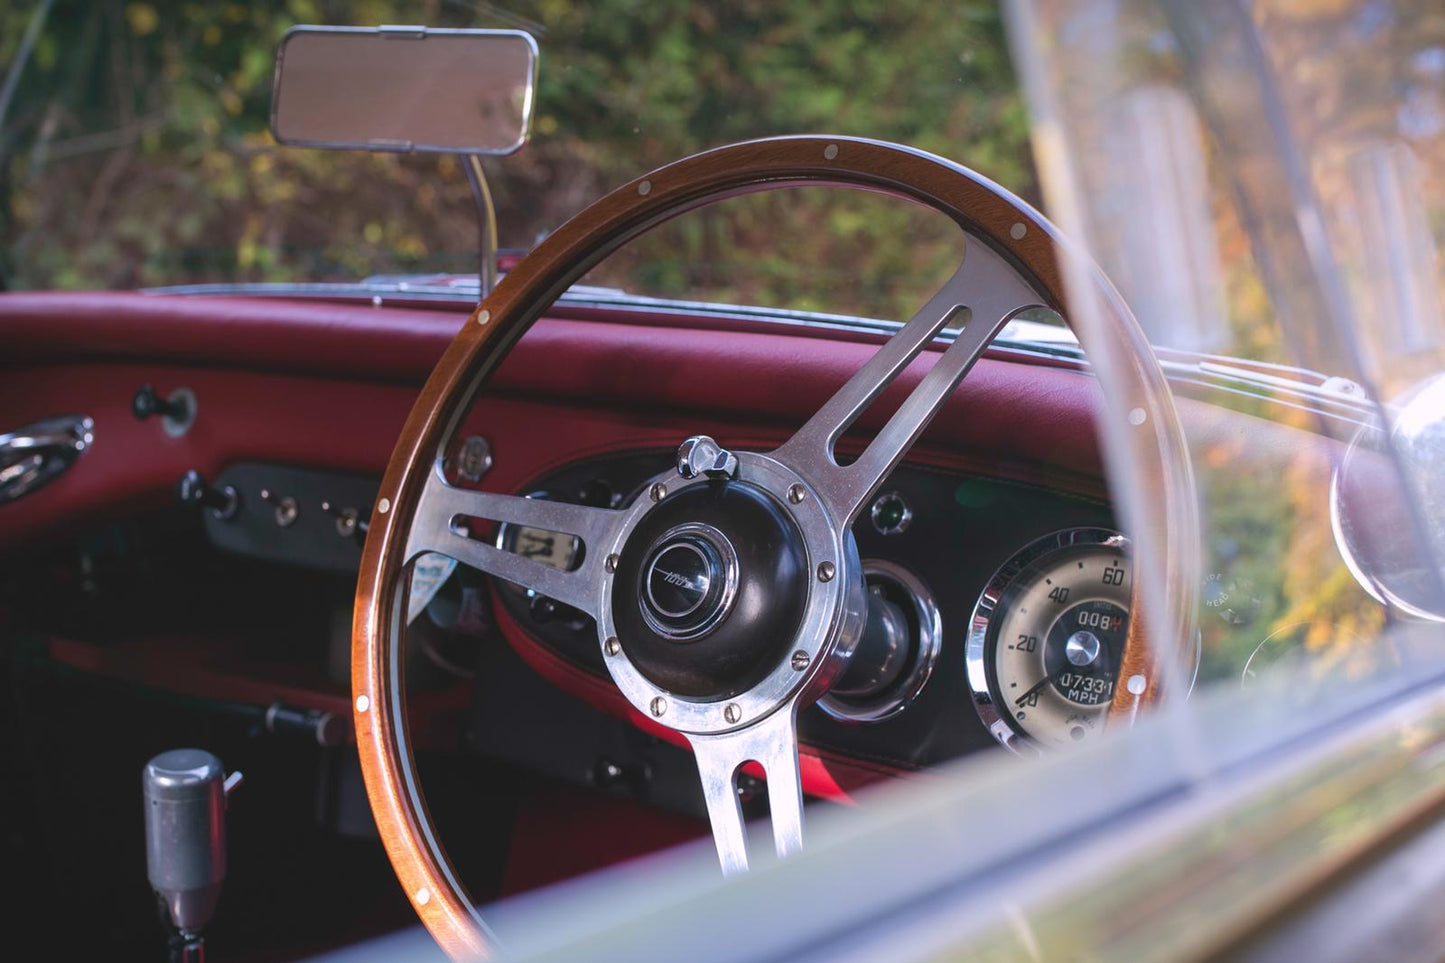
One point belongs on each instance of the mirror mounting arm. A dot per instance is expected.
(486, 227)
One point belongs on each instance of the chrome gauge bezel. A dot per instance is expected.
(984, 618)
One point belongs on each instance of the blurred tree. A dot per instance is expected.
(136, 150)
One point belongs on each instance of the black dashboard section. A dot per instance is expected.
(960, 530)
(298, 516)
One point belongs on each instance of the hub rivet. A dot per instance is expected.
(658, 491)
(826, 571)
(612, 645)
(796, 493)
(732, 713)
(658, 705)
(800, 660)
(611, 564)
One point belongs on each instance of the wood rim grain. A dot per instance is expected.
(982, 208)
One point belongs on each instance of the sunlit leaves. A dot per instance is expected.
(183, 91)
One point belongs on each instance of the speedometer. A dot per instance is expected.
(1047, 638)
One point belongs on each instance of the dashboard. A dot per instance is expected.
(297, 405)
(975, 573)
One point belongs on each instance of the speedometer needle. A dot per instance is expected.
(1029, 695)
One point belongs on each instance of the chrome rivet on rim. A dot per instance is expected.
(383, 506)
(796, 493)
(483, 316)
(1137, 417)
(800, 660)
(732, 713)
(658, 705)
(831, 151)
(644, 188)
(612, 645)
(826, 571)
(1018, 231)
(658, 491)
(363, 703)
(612, 562)
(423, 896)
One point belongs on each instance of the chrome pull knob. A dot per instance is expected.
(700, 455)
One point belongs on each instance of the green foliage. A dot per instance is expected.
(136, 151)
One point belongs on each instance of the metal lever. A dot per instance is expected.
(36, 454)
(185, 804)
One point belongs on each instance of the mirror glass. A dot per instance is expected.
(404, 89)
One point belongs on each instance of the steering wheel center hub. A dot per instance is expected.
(711, 588)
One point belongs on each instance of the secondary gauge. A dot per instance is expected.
(1047, 638)
(552, 549)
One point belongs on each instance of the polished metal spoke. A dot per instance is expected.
(994, 293)
(435, 530)
(773, 744)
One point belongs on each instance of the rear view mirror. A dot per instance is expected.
(404, 89)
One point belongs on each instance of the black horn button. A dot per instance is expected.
(710, 590)
(689, 582)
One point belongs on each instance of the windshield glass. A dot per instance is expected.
(135, 150)
(1262, 182)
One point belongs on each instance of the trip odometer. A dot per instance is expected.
(1047, 638)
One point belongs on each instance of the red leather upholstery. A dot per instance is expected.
(329, 385)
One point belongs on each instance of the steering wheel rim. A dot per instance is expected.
(1015, 239)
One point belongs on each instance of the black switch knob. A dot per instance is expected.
(147, 403)
(193, 490)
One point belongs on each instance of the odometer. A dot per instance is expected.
(1047, 638)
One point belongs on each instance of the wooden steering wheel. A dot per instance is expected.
(730, 594)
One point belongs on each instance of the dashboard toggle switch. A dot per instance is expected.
(285, 506)
(348, 520)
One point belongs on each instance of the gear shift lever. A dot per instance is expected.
(185, 804)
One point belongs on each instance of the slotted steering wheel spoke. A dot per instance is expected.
(437, 529)
(773, 744)
(993, 293)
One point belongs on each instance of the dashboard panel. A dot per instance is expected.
(325, 388)
(933, 536)
(961, 529)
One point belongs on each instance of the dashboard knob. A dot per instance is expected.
(193, 490)
(147, 404)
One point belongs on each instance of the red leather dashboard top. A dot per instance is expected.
(328, 385)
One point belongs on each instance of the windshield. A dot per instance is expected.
(135, 150)
(1262, 182)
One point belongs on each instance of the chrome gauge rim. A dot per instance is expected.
(983, 625)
